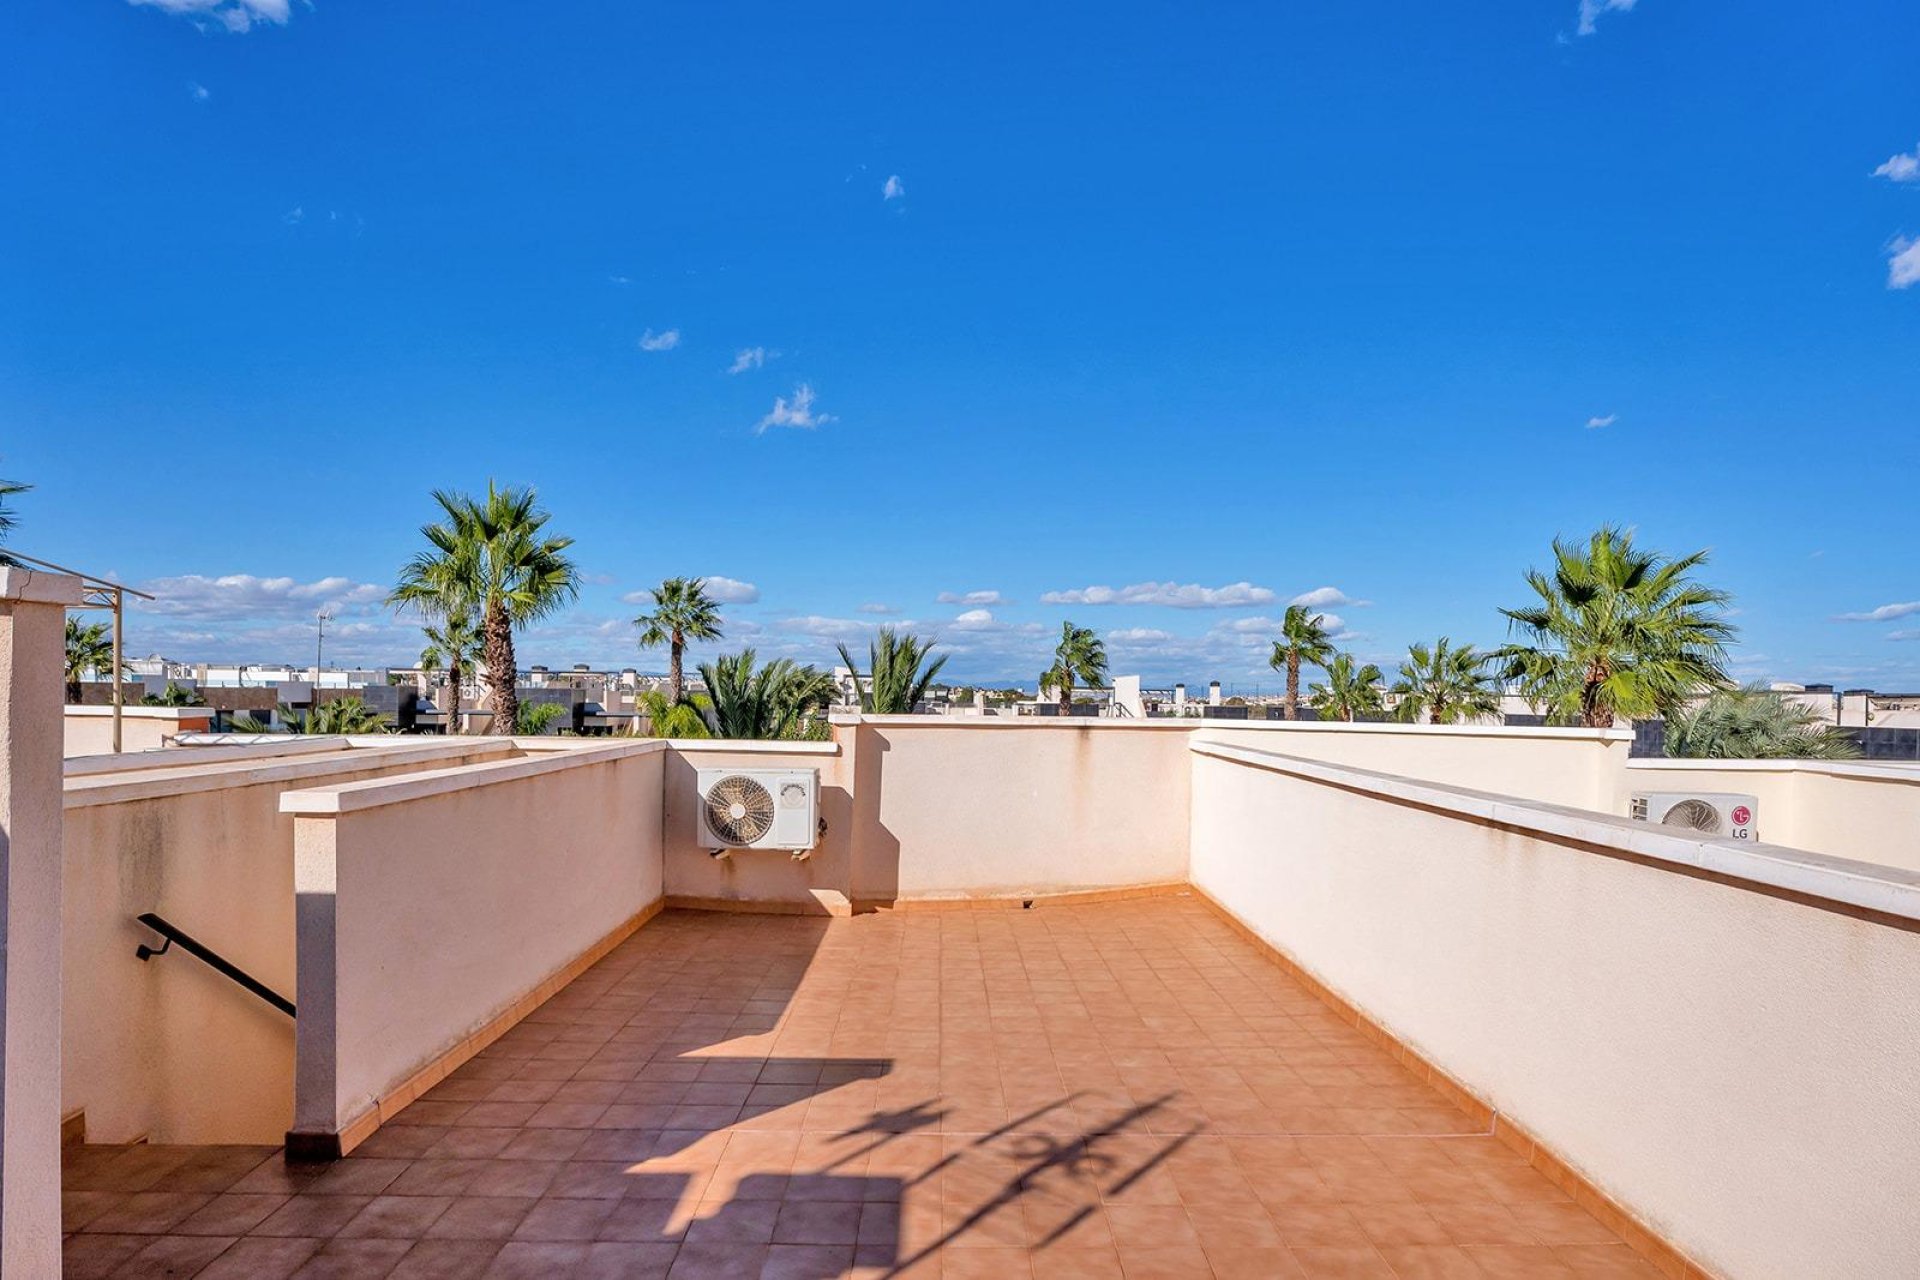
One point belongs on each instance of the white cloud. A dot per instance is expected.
(893, 188)
(971, 597)
(731, 590)
(667, 341)
(233, 15)
(813, 624)
(294, 216)
(1594, 424)
(976, 622)
(1138, 635)
(749, 358)
(1328, 598)
(797, 412)
(1171, 594)
(1248, 626)
(242, 618)
(1903, 635)
(1900, 168)
(243, 596)
(876, 608)
(1590, 11)
(197, 91)
(1885, 613)
(1903, 263)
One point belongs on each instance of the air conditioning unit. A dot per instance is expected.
(759, 809)
(1707, 813)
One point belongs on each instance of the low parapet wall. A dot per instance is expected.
(953, 810)
(435, 910)
(1715, 1043)
(89, 730)
(169, 1050)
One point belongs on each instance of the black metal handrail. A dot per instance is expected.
(206, 955)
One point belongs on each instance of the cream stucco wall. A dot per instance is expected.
(1736, 1060)
(429, 904)
(921, 808)
(169, 1049)
(1578, 767)
(819, 883)
(89, 730)
(982, 807)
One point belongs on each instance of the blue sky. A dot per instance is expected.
(1209, 306)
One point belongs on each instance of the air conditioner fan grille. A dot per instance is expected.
(1695, 815)
(739, 810)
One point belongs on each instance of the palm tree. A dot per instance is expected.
(1618, 632)
(534, 717)
(768, 702)
(804, 695)
(898, 673)
(1303, 640)
(453, 642)
(89, 648)
(8, 489)
(174, 696)
(1351, 690)
(490, 555)
(340, 716)
(682, 611)
(1448, 684)
(1080, 655)
(345, 715)
(682, 719)
(1755, 724)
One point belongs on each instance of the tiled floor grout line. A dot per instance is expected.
(1039, 1037)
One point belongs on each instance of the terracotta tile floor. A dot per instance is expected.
(1115, 1090)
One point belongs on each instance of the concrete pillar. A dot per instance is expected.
(1213, 694)
(32, 747)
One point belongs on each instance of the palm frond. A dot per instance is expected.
(899, 673)
(1617, 631)
(1755, 724)
(768, 701)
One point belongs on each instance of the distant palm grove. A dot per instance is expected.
(1609, 631)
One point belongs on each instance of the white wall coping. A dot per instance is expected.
(1860, 770)
(152, 782)
(39, 586)
(1889, 890)
(351, 797)
(1198, 724)
(175, 757)
(139, 709)
(1532, 732)
(283, 741)
(754, 746)
(1012, 722)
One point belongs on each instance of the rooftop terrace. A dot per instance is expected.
(1126, 1089)
(1289, 998)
